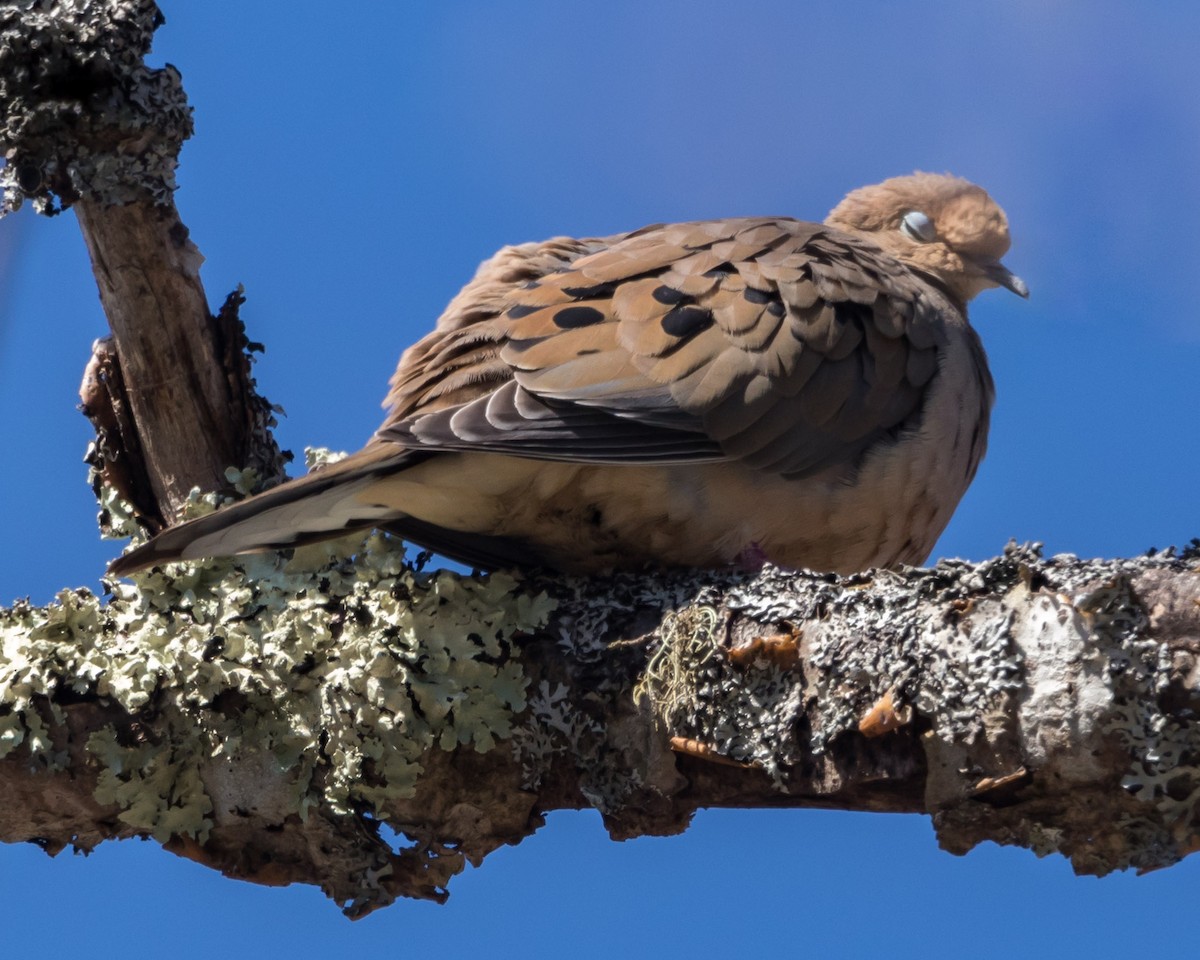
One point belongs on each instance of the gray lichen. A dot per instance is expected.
(1163, 748)
(596, 621)
(553, 729)
(1016, 670)
(746, 714)
(80, 113)
(872, 634)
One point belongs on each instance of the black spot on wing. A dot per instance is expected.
(669, 295)
(686, 321)
(520, 346)
(600, 291)
(850, 312)
(521, 310)
(570, 318)
(775, 308)
(757, 296)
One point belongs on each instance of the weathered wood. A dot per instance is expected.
(188, 414)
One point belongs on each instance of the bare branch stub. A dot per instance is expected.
(85, 124)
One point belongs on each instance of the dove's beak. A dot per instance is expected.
(1007, 279)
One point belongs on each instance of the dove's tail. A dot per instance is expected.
(324, 504)
(327, 503)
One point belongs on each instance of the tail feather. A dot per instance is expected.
(480, 550)
(319, 506)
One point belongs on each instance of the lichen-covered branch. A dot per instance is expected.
(85, 123)
(264, 717)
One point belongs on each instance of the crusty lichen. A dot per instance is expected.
(862, 636)
(744, 714)
(1164, 749)
(80, 113)
(1017, 670)
(872, 634)
(345, 663)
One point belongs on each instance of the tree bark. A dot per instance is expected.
(186, 379)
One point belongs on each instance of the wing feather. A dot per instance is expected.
(787, 345)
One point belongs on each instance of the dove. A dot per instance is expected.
(685, 395)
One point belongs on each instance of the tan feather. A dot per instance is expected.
(683, 359)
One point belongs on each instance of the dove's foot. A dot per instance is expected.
(752, 558)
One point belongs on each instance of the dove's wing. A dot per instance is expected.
(787, 345)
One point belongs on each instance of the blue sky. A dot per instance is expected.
(352, 170)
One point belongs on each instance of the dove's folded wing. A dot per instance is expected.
(786, 345)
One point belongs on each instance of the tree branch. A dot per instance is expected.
(264, 719)
(85, 123)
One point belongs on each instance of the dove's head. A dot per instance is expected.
(943, 226)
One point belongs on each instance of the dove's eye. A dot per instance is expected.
(917, 226)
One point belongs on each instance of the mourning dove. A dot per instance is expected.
(689, 394)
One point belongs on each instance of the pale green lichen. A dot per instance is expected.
(157, 786)
(344, 662)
